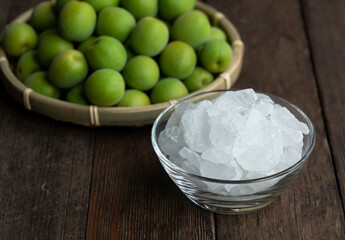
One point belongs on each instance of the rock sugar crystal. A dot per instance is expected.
(239, 135)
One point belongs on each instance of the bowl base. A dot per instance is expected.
(232, 209)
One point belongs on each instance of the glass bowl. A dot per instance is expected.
(246, 195)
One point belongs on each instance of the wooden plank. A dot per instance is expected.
(277, 61)
(133, 198)
(326, 24)
(45, 170)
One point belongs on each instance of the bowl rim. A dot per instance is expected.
(164, 160)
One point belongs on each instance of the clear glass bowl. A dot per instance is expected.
(252, 194)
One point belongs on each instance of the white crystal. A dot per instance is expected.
(187, 160)
(257, 158)
(256, 119)
(171, 140)
(265, 108)
(175, 118)
(291, 137)
(224, 128)
(283, 118)
(241, 190)
(238, 101)
(196, 128)
(292, 154)
(280, 167)
(191, 156)
(189, 167)
(184, 164)
(220, 164)
(262, 98)
(259, 147)
(228, 171)
(219, 188)
(218, 154)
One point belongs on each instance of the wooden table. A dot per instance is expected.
(63, 181)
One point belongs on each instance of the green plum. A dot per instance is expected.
(141, 72)
(39, 83)
(178, 60)
(106, 52)
(83, 46)
(99, 5)
(19, 38)
(27, 65)
(49, 47)
(104, 87)
(171, 9)
(77, 21)
(168, 89)
(47, 32)
(192, 27)
(149, 36)
(217, 33)
(198, 79)
(115, 22)
(60, 4)
(134, 98)
(140, 8)
(68, 69)
(215, 55)
(77, 95)
(43, 16)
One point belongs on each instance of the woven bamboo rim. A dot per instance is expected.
(118, 116)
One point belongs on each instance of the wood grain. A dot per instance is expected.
(45, 169)
(326, 24)
(133, 198)
(278, 61)
(45, 172)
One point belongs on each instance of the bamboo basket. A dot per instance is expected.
(118, 116)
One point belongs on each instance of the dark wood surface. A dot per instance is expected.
(63, 181)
